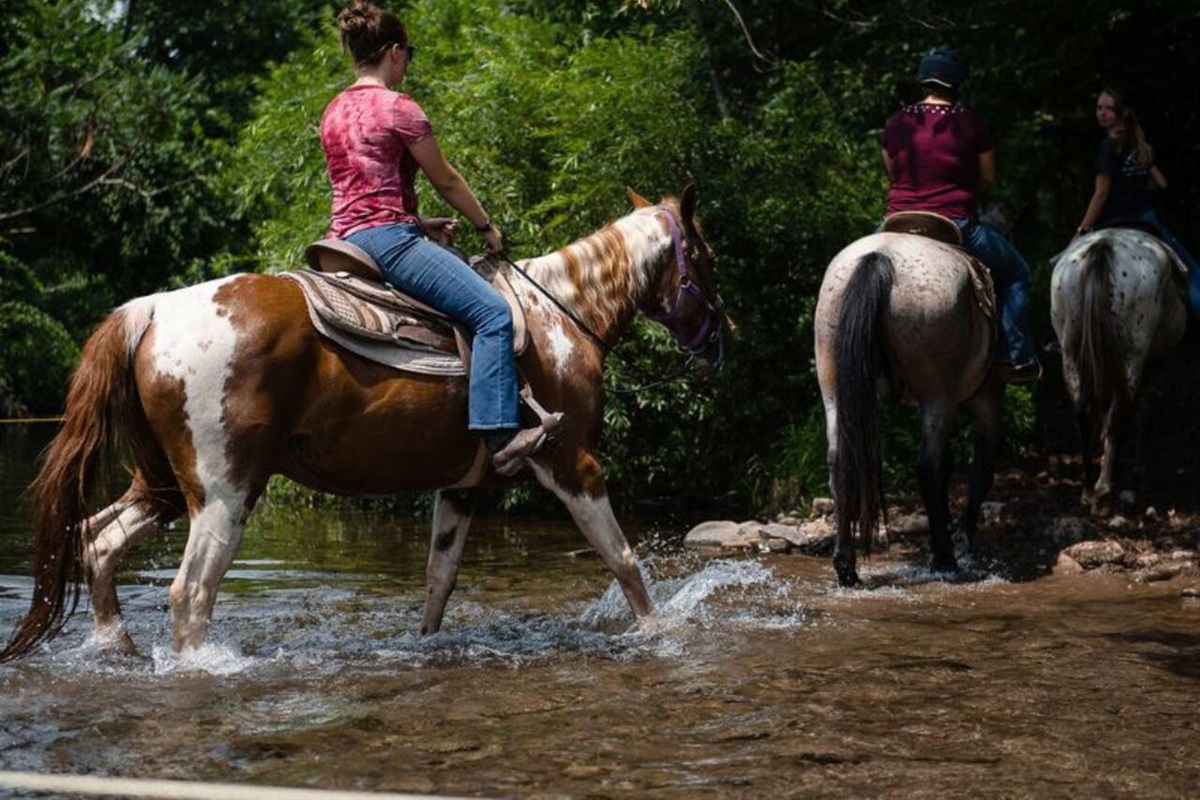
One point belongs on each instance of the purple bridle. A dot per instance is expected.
(687, 289)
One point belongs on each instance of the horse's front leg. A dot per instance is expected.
(577, 481)
(933, 476)
(452, 513)
(110, 535)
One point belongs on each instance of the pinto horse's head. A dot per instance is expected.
(687, 302)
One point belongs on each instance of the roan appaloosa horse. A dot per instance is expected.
(900, 314)
(1117, 306)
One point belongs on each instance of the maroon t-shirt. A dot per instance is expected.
(366, 132)
(935, 153)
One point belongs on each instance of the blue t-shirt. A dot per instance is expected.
(1129, 193)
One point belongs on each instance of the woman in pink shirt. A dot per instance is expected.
(375, 141)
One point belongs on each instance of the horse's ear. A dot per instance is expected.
(687, 207)
(635, 198)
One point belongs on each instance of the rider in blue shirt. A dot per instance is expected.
(1125, 176)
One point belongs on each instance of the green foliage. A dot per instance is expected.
(150, 143)
(102, 166)
(36, 351)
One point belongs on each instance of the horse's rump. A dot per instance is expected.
(899, 310)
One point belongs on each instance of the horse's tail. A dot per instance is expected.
(857, 468)
(1101, 376)
(102, 413)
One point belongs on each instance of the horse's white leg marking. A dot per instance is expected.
(195, 342)
(117, 528)
(595, 518)
(830, 434)
(452, 512)
(216, 532)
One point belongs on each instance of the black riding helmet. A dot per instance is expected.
(942, 66)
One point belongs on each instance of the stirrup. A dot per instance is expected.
(1029, 372)
(549, 421)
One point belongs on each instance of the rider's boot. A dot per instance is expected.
(510, 448)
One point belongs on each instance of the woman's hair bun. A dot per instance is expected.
(353, 18)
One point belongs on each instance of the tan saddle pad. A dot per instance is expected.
(373, 319)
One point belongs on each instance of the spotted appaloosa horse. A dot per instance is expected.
(898, 312)
(216, 387)
(1117, 306)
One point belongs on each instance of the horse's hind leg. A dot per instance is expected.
(1109, 436)
(452, 512)
(933, 475)
(116, 529)
(984, 409)
(213, 539)
(844, 556)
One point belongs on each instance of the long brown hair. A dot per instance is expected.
(1127, 133)
(368, 31)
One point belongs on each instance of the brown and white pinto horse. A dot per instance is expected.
(216, 387)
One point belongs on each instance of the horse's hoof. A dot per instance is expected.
(944, 565)
(961, 541)
(113, 641)
(848, 578)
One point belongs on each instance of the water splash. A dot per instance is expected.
(210, 658)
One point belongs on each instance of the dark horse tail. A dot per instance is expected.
(102, 411)
(1101, 375)
(857, 467)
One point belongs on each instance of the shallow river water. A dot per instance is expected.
(757, 678)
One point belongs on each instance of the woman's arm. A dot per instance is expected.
(1157, 179)
(987, 171)
(454, 190)
(1096, 205)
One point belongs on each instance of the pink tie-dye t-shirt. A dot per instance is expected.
(366, 132)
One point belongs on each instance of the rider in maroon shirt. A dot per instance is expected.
(940, 157)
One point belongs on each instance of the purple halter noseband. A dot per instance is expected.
(687, 289)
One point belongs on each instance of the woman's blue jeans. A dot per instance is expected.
(1156, 226)
(1010, 276)
(433, 275)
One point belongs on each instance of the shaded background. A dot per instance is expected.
(153, 143)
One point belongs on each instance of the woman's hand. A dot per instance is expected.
(492, 240)
(440, 229)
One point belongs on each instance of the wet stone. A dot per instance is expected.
(990, 510)
(723, 533)
(1066, 530)
(1067, 566)
(1095, 554)
(908, 525)
(822, 506)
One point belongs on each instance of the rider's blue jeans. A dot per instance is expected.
(1010, 276)
(1157, 227)
(431, 274)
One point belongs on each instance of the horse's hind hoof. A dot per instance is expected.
(847, 578)
(847, 574)
(946, 566)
